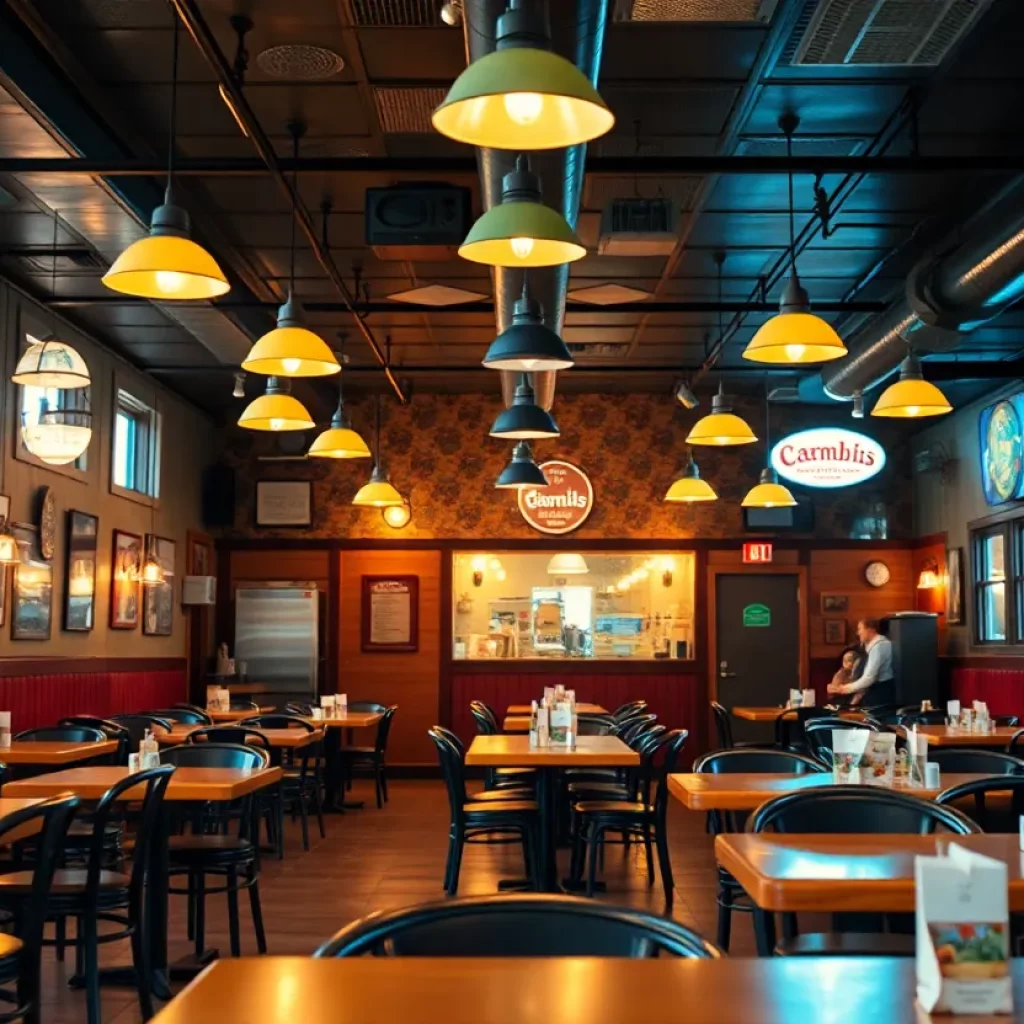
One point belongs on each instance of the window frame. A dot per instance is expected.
(980, 583)
(144, 481)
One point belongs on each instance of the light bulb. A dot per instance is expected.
(913, 410)
(276, 423)
(501, 575)
(668, 563)
(721, 440)
(291, 365)
(523, 107)
(170, 282)
(479, 563)
(522, 247)
(795, 352)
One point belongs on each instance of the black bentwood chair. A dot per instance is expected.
(138, 725)
(21, 953)
(111, 731)
(497, 778)
(512, 925)
(997, 815)
(976, 762)
(182, 715)
(372, 760)
(62, 734)
(818, 734)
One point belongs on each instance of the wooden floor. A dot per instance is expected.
(375, 860)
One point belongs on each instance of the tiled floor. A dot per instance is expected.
(374, 860)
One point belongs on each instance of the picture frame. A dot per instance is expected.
(835, 604)
(31, 589)
(284, 503)
(80, 558)
(835, 631)
(389, 614)
(955, 586)
(5, 511)
(125, 568)
(158, 599)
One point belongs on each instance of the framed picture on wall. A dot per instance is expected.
(955, 587)
(835, 631)
(284, 502)
(390, 613)
(158, 599)
(835, 604)
(32, 588)
(125, 567)
(80, 571)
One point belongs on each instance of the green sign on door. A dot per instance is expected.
(757, 615)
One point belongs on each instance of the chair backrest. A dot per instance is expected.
(976, 762)
(920, 717)
(384, 729)
(450, 757)
(997, 816)
(278, 721)
(670, 747)
(511, 925)
(818, 733)
(723, 726)
(453, 739)
(1016, 744)
(184, 716)
(229, 734)
(62, 734)
(486, 723)
(243, 705)
(630, 727)
(789, 726)
(861, 809)
(595, 725)
(298, 708)
(630, 708)
(215, 755)
(755, 759)
(367, 707)
(137, 726)
(111, 730)
(1007, 721)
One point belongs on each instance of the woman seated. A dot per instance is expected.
(848, 666)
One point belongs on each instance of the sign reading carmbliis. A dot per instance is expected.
(563, 505)
(828, 457)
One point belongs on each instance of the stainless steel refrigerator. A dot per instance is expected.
(277, 636)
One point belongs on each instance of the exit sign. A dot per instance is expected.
(757, 551)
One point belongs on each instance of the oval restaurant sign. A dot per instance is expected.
(828, 457)
(563, 505)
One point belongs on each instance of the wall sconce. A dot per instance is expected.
(929, 577)
(397, 516)
(667, 565)
(479, 564)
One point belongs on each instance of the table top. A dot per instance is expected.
(290, 738)
(941, 736)
(349, 720)
(789, 872)
(54, 751)
(743, 791)
(237, 716)
(216, 784)
(516, 723)
(424, 990)
(758, 714)
(31, 828)
(581, 709)
(516, 752)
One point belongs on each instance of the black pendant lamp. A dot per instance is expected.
(524, 419)
(528, 345)
(522, 471)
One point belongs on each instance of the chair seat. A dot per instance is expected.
(601, 790)
(847, 944)
(502, 796)
(517, 772)
(499, 807)
(358, 751)
(623, 807)
(10, 947)
(187, 851)
(66, 882)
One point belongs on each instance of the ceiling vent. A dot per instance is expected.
(608, 294)
(396, 13)
(786, 394)
(300, 62)
(803, 145)
(407, 111)
(639, 227)
(437, 295)
(695, 10)
(889, 33)
(69, 261)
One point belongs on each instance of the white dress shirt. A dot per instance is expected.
(877, 668)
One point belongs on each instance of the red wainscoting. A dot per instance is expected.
(678, 699)
(1001, 688)
(44, 698)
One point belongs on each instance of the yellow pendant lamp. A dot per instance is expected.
(689, 487)
(911, 396)
(768, 492)
(276, 410)
(166, 265)
(291, 349)
(379, 491)
(796, 335)
(522, 96)
(521, 231)
(339, 440)
(721, 427)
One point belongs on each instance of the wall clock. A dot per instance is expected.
(877, 573)
(47, 523)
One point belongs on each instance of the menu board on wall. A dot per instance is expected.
(390, 613)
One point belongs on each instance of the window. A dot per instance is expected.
(990, 549)
(135, 461)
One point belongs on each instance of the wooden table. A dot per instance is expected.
(849, 872)
(334, 782)
(186, 784)
(581, 709)
(515, 752)
(278, 738)
(237, 716)
(9, 805)
(743, 791)
(752, 714)
(55, 751)
(425, 990)
(941, 736)
(349, 720)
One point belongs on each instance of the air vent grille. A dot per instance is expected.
(775, 146)
(407, 110)
(69, 261)
(300, 62)
(397, 13)
(604, 189)
(695, 10)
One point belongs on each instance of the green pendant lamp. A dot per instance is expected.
(521, 231)
(768, 492)
(689, 487)
(524, 420)
(522, 96)
(528, 345)
(379, 491)
(522, 471)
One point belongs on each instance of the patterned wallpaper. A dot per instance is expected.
(632, 446)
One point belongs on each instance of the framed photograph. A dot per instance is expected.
(5, 511)
(125, 567)
(32, 589)
(955, 587)
(80, 572)
(835, 631)
(834, 604)
(158, 600)
(390, 613)
(284, 503)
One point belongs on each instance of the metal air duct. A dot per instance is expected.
(975, 275)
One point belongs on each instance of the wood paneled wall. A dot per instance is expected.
(412, 680)
(841, 571)
(285, 566)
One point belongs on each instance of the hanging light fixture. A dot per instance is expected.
(291, 349)
(522, 471)
(59, 436)
(166, 265)
(522, 96)
(524, 420)
(689, 487)
(521, 231)
(768, 492)
(911, 396)
(397, 516)
(51, 364)
(276, 410)
(527, 345)
(379, 492)
(568, 563)
(795, 335)
(339, 440)
(721, 426)
(8, 545)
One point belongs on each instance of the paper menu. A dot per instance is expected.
(862, 756)
(807, 698)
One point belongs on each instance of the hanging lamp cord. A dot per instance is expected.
(295, 199)
(792, 228)
(376, 443)
(173, 130)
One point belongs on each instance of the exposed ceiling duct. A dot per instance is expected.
(964, 283)
(560, 171)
